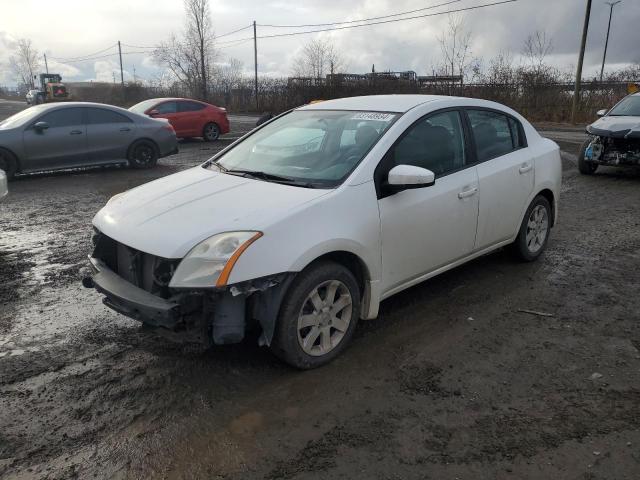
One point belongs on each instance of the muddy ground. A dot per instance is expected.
(452, 381)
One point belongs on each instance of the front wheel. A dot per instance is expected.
(585, 167)
(318, 316)
(143, 154)
(210, 132)
(534, 231)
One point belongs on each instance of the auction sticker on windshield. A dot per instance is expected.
(381, 117)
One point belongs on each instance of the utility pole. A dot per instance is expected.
(606, 43)
(121, 72)
(46, 66)
(583, 43)
(255, 61)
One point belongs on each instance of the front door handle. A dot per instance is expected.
(468, 193)
(527, 167)
(75, 132)
(125, 129)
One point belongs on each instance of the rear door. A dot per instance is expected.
(109, 135)
(62, 145)
(505, 173)
(192, 117)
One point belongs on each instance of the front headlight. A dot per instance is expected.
(210, 262)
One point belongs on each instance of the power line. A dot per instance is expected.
(475, 7)
(362, 19)
(78, 57)
(235, 31)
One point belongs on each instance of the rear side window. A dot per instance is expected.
(166, 107)
(99, 116)
(190, 106)
(63, 117)
(495, 134)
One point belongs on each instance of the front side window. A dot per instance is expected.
(435, 143)
(64, 117)
(101, 116)
(492, 134)
(315, 147)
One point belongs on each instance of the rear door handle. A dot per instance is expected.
(75, 132)
(125, 129)
(468, 193)
(527, 167)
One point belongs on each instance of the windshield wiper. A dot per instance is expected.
(269, 177)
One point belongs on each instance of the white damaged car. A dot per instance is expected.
(308, 222)
(614, 139)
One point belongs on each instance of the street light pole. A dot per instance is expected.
(576, 92)
(606, 43)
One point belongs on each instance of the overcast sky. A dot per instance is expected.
(73, 28)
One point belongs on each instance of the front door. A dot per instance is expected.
(62, 145)
(426, 228)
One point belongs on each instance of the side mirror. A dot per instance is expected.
(41, 126)
(601, 113)
(404, 177)
(153, 113)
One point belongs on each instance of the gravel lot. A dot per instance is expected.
(452, 381)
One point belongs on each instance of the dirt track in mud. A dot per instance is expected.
(451, 381)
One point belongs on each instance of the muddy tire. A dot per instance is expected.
(318, 316)
(8, 163)
(143, 154)
(534, 230)
(211, 132)
(586, 168)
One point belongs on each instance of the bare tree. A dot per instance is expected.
(536, 49)
(318, 57)
(25, 61)
(455, 43)
(190, 58)
(228, 76)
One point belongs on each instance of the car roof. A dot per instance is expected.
(378, 103)
(173, 99)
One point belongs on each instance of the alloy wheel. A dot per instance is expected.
(537, 228)
(324, 318)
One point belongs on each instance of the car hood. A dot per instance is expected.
(614, 126)
(169, 216)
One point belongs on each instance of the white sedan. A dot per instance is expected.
(309, 221)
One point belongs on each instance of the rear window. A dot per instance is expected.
(495, 134)
(101, 115)
(190, 106)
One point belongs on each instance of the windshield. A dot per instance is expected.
(312, 147)
(629, 106)
(22, 117)
(143, 106)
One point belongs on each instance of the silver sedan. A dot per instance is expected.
(70, 135)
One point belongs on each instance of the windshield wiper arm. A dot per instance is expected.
(269, 177)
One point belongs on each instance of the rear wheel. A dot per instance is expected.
(210, 132)
(534, 231)
(585, 167)
(143, 154)
(8, 163)
(318, 316)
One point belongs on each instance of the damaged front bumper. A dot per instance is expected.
(613, 148)
(132, 301)
(215, 315)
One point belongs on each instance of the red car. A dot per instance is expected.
(189, 118)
